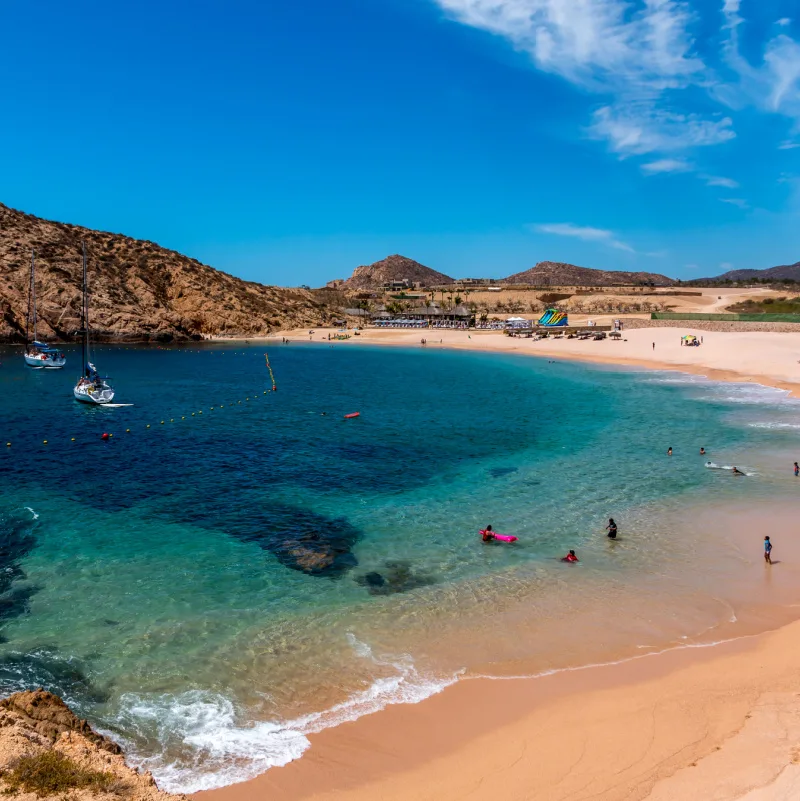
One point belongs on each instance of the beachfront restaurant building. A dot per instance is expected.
(459, 317)
(427, 317)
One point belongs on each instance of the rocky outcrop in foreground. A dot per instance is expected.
(139, 290)
(47, 752)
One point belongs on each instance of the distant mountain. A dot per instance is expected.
(395, 268)
(783, 272)
(556, 273)
(138, 289)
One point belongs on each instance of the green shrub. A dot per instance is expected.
(51, 772)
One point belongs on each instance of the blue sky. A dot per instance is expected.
(289, 142)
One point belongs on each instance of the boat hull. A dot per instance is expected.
(44, 361)
(97, 398)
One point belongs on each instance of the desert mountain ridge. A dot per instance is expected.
(782, 272)
(139, 290)
(557, 273)
(395, 268)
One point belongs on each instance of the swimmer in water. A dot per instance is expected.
(570, 557)
(669, 451)
(767, 551)
(611, 528)
(487, 534)
(737, 472)
(702, 451)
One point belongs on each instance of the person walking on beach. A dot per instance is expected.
(654, 346)
(796, 470)
(767, 551)
(611, 528)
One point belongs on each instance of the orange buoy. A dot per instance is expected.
(354, 414)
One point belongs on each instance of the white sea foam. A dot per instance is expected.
(35, 516)
(774, 425)
(219, 747)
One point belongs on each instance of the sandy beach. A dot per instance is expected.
(714, 723)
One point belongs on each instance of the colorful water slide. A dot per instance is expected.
(553, 317)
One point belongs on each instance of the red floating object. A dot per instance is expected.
(354, 414)
(104, 436)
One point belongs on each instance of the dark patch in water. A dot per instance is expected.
(111, 622)
(305, 541)
(397, 577)
(16, 542)
(44, 668)
(499, 472)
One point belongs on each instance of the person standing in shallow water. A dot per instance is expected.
(611, 528)
(796, 470)
(767, 551)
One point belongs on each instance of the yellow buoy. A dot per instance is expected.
(110, 435)
(192, 414)
(148, 425)
(183, 418)
(127, 431)
(172, 420)
(162, 422)
(44, 442)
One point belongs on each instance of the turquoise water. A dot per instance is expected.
(212, 589)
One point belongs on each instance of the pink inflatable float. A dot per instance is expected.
(495, 536)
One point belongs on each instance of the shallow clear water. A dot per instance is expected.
(213, 588)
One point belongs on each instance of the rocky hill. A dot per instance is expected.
(395, 268)
(783, 272)
(47, 752)
(555, 273)
(139, 291)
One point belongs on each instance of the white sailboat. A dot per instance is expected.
(91, 387)
(38, 355)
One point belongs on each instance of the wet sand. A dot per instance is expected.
(700, 723)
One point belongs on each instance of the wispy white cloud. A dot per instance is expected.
(638, 129)
(774, 85)
(784, 22)
(585, 233)
(788, 145)
(637, 51)
(666, 165)
(719, 180)
(735, 201)
(613, 45)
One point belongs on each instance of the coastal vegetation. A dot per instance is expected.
(52, 773)
(780, 305)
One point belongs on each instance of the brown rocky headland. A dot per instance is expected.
(139, 290)
(47, 752)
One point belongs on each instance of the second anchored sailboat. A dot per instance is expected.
(91, 387)
(38, 355)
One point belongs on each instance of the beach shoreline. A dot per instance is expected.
(765, 358)
(720, 721)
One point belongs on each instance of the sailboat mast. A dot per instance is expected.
(33, 293)
(85, 315)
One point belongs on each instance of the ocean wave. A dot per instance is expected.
(715, 466)
(203, 741)
(772, 425)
